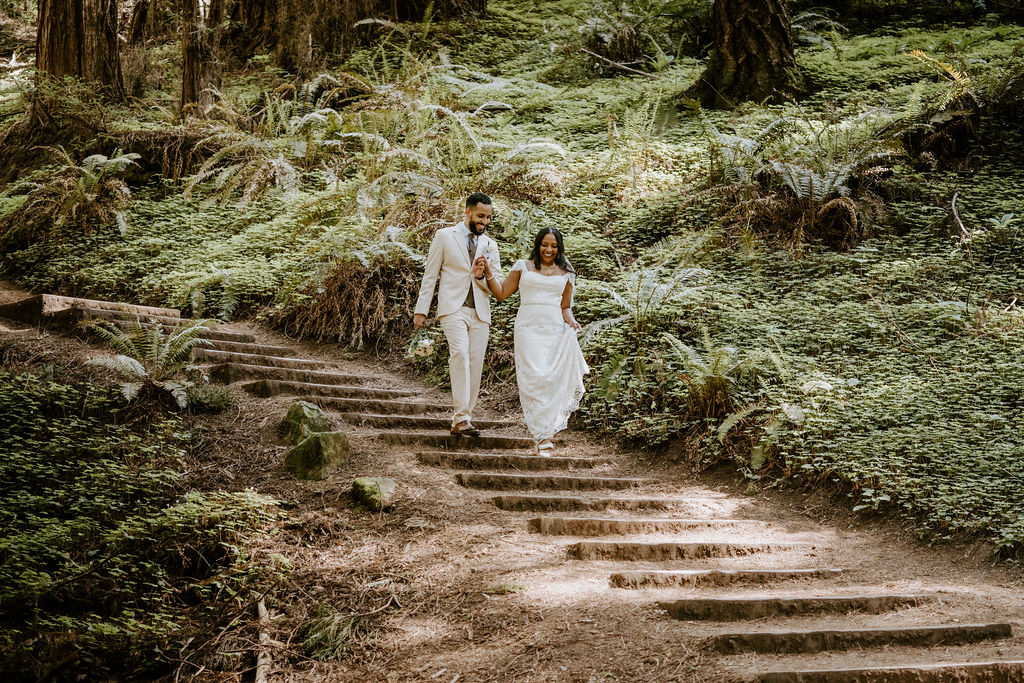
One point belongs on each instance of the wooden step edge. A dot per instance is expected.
(600, 526)
(808, 641)
(731, 609)
(662, 551)
(252, 347)
(694, 578)
(990, 671)
(427, 420)
(259, 359)
(332, 403)
(533, 501)
(32, 309)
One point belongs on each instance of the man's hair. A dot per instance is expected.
(477, 198)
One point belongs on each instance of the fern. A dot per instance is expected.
(642, 295)
(150, 358)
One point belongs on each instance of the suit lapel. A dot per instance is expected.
(462, 246)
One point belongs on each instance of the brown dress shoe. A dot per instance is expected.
(464, 428)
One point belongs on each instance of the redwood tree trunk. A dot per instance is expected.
(200, 69)
(79, 38)
(752, 56)
(303, 35)
(137, 29)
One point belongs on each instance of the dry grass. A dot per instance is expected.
(356, 305)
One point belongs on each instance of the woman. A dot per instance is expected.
(549, 363)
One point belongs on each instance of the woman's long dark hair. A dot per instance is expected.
(560, 259)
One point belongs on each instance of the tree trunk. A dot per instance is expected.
(79, 38)
(200, 69)
(301, 35)
(752, 56)
(137, 28)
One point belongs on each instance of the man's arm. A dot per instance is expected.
(431, 270)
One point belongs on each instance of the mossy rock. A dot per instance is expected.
(304, 418)
(374, 492)
(317, 455)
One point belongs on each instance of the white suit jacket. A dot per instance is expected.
(448, 260)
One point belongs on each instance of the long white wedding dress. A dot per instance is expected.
(549, 362)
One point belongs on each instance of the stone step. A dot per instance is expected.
(442, 439)
(541, 503)
(605, 526)
(337, 404)
(695, 578)
(669, 550)
(731, 609)
(33, 309)
(77, 314)
(249, 347)
(499, 480)
(1008, 671)
(74, 316)
(790, 642)
(216, 334)
(210, 355)
(494, 461)
(268, 388)
(312, 380)
(418, 421)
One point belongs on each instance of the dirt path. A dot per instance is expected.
(448, 586)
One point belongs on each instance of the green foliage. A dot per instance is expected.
(886, 371)
(641, 296)
(102, 554)
(151, 358)
(82, 196)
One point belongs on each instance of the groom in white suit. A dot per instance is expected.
(463, 302)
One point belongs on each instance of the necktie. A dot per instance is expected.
(471, 246)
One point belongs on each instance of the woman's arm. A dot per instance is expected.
(500, 289)
(567, 315)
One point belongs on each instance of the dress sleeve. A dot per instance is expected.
(519, 265)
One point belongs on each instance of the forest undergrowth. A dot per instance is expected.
(819, 293)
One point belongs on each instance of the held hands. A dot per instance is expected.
(480, 267)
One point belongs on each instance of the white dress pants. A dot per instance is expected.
(467, 342)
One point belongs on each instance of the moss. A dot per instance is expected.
(375, 493)
(318, 455)
(302, 419)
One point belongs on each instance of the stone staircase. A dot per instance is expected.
(766, 609)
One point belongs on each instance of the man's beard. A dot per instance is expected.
(473, 228)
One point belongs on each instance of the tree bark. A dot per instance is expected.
(200, 69)
(301, 34)
(752, 56)
(79, 38)
(137, 28)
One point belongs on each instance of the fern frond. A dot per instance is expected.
(735, 418)
(591, 330)
(125, 366)
(691, 359)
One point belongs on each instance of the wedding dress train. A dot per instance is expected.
(549, 362)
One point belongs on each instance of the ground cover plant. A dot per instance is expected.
(107, 562)
(823, 292)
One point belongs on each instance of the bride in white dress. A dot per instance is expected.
(549, 362)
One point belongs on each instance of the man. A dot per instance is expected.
(463, 302)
